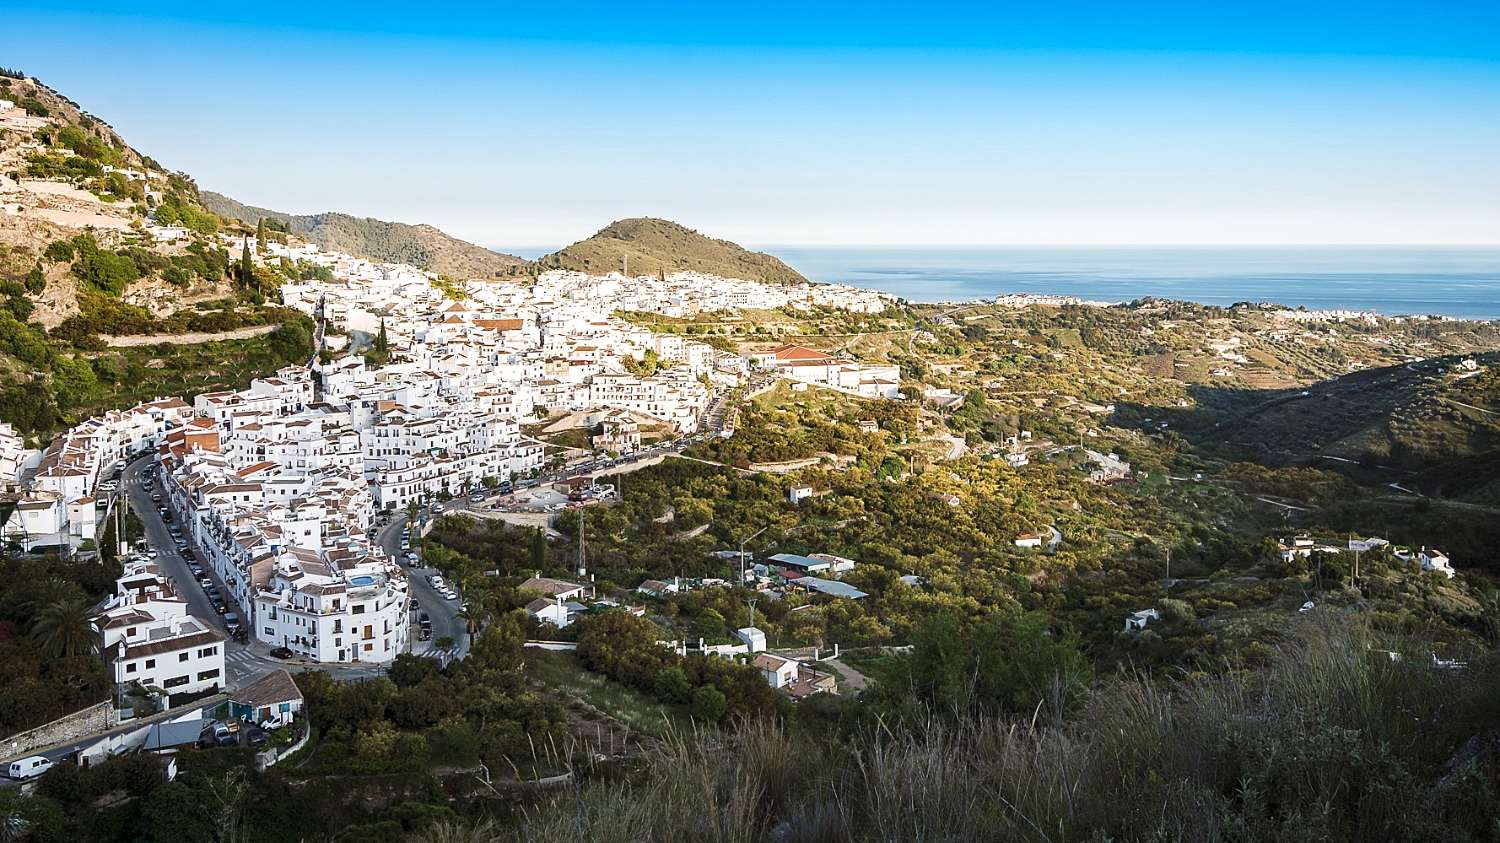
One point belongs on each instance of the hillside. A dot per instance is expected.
(653, 246)
(422, 246)
(1430, 423)
(100, 246)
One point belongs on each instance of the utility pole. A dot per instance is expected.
(744, 542)
(582, 555)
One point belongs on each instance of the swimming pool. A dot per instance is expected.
(362, 580)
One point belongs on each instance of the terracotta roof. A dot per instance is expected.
(766, 661)
(172, 645)
(547, 585)
(798, 352)
(500, 324)
(275, 686)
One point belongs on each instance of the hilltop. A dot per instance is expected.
(660, 246)
(422, 246)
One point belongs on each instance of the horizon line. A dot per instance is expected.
(1153, 245)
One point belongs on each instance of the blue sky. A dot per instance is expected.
(808, 123)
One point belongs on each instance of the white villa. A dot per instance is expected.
(148, 637)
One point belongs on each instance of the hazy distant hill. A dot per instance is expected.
(654, 245)
(419, 245)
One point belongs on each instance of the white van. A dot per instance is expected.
(28, 768)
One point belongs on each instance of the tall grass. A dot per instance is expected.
(1332, 741)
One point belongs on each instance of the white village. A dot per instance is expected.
(273, 495)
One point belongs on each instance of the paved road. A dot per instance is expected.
(442, 612)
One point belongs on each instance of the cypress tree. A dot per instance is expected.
(247, 266)
(260, 236)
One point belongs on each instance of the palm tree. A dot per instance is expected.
(475, 615)
(13, 826)
(64, 628)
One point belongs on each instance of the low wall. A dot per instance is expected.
(97, 718)
(555, 646)
(269, 757)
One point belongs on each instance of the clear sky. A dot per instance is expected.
(813, 122)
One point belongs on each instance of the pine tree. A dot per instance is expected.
(260, 236)
(382, 344)
(36, 280)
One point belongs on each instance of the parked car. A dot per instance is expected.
(437, 507)
(218, 734)
(29, 767)
(281, 653)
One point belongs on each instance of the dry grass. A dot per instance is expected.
(1333, 741)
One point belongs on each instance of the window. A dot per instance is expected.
(207, 651)
(182, 657)
(176, 681)
(206, 675)
(359, 610)
(130, 668)
(150, 663)
(270, 633)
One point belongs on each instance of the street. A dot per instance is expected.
(442, 612)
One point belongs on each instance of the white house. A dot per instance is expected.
(753, 637)
(555, 610)
(1433, 559)
(273, 698)
(1138, 620)
(1296, 547)
(149, 638)
(798, 494)
(778, 672)
(1028, 540)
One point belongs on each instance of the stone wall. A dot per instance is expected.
(80, 724)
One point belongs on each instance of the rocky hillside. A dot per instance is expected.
(379, 240)
(653, 245)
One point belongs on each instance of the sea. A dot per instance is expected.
(1461, 282)
(1458, 281)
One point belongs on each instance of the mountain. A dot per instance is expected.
(654, 245)
(422, 246)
